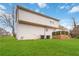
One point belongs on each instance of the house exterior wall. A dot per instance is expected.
(25, 31)
(30, 17)
(28, 31)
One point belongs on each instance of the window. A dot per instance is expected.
(51, 22)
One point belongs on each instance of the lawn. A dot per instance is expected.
(11, 47)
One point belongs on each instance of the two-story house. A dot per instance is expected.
(31, 25)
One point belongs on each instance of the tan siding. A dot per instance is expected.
(27, 16)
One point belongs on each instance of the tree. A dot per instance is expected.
(75, 30)
(9, 20)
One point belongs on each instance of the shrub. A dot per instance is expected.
(77, 37)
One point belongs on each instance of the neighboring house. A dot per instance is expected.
(3, 32)
(32, 25)
(62, 28)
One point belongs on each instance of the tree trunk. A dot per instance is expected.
(13, 32)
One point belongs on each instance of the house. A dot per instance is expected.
(33, 25)
(3, 32)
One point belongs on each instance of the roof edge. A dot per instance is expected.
(23, 8)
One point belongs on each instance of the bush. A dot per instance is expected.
(77, 37)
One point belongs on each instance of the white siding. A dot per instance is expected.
(25, 31)
(31, 32)
(30, 17)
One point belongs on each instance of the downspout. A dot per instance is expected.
(44, 33)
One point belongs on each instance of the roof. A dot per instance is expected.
(62, 27)
(22, 8)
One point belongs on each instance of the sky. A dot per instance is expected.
(62, 11)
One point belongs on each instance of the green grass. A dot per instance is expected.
(11, 47)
